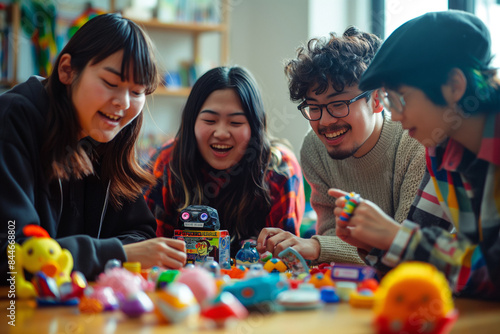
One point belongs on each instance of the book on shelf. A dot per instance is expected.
(189, 11)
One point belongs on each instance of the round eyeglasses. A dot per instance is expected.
(337, 109)
(391, 100)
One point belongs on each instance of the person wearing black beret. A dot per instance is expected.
(433, 73)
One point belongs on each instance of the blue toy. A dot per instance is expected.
(258, 292)
(247, 256)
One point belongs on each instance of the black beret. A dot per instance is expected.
(428, 42)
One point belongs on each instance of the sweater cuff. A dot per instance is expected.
(333, 249)
(399, 244)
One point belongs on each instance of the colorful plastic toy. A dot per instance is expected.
(275, 265)
(304, 298)
(225, 307)
(329, 295)
(258, 292)
(40, 253)
(50, 294)
(247, 255)
(176, 303)
(353, 200)
(199, 217)
(166, 277)
(294, 261)
(135, 304)
(362, 298)
(415, 298)
(123, 282)
(200, 281)
(320, 280)
(203, 244)
(98, 299)
(351, 272)
(235, 272)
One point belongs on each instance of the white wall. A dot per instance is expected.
(266, 32)
(263, 34)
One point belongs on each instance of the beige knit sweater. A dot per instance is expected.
(388, 175)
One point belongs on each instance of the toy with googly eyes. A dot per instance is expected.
(353, 200)
(199, 217)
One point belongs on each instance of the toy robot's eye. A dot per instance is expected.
(203, 216)
(185, 216)
(30, 251)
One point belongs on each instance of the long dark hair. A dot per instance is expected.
(243, 201)
(63, 156)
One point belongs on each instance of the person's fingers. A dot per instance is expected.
(337, 193)
(176, 244)
(264, 236)
(173, 259)
(282, 245)
(274, 240)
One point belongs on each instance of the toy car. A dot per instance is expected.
(199, 217)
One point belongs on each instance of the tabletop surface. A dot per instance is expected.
(475, 317)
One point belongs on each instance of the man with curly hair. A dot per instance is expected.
(352, 144)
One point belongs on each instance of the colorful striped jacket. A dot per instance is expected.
(285, 185)
(456, 219)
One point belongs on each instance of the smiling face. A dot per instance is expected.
(222, 130)
(425, 121)
(104, 104)
(353, 135)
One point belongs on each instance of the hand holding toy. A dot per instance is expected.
(353, 200)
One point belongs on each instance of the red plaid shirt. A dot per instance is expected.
(286, 192)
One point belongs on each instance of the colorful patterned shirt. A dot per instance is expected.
(456, 216)
(285, 185)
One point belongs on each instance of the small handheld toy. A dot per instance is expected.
(414, 298)
(353, 200)
(40, 253)
(294, 261)
(199, 217)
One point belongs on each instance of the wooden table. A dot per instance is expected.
(477, 317)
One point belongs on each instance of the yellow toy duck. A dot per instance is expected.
(40, 253)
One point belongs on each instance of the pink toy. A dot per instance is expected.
(200, 281)
(123, 281)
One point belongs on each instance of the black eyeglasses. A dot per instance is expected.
(391, 100)
(337, 109)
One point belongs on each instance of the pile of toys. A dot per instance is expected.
(412, 298)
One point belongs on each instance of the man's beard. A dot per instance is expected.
(341, 155)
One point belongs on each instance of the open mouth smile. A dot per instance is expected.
(221, 148)
(332, 135)
(113, 118)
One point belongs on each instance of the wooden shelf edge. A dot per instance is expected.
(4, 83)
(180, 91)
(181, 26)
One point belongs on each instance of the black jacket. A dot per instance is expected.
(70, 211)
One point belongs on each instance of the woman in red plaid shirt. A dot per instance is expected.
(223, 157)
